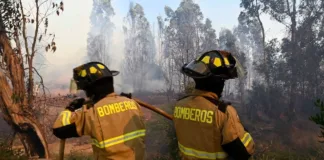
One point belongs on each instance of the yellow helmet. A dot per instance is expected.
(215, 63)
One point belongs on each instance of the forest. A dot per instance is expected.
(280, 100)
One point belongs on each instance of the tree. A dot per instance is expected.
(251, 16)
(300, 52)
(319, 117)
(164, 62)
(292, 15)
(185, 37)
(228, 41)
(139, 47)
(310, 48)
(305, 19)
(100, 35)
(16, 95)
(209, 39)
(249, 40)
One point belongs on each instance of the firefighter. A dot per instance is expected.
(206, 127)
(114, 123)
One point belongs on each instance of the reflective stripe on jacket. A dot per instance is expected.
(201, 154)
(115, 125)
(202, 129)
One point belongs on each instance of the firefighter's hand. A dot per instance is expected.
(128, 95)
(75, 104)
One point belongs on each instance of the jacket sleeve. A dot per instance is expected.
(237, 142)
(70, 124)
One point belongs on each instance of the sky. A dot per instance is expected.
(72, 26)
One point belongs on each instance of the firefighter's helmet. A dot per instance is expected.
(86, 74)
(216, 63)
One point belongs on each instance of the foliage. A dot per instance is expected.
(283, 74)
(229, 41)
(166, 146)
(23, 32)
(100, 35)
(14, 21)
(139, 49)
(319, 117)
(6, 151)
(183, 35)
(292, 65)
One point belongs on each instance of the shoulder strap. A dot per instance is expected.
(221, 104)
(184, 97)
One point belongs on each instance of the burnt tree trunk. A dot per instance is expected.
(14, 106)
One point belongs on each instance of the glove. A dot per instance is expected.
(128, 95)
(75, 104)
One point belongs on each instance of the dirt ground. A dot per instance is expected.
(54, 106)
(301, 134)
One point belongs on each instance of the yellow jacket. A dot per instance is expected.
(208, 131)
(114, 123)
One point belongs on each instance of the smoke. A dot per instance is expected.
(56, 68)
(72, 28)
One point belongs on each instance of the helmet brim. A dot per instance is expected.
(192, 74)
(195, 69)
(239, 69)
(114, 73)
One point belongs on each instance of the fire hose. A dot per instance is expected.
(143, 104)
(154, 109)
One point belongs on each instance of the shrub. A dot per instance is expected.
(6, 151)
(161, 137)
(319, 117)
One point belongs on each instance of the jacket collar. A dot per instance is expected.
(113, 94)
(197, 92)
